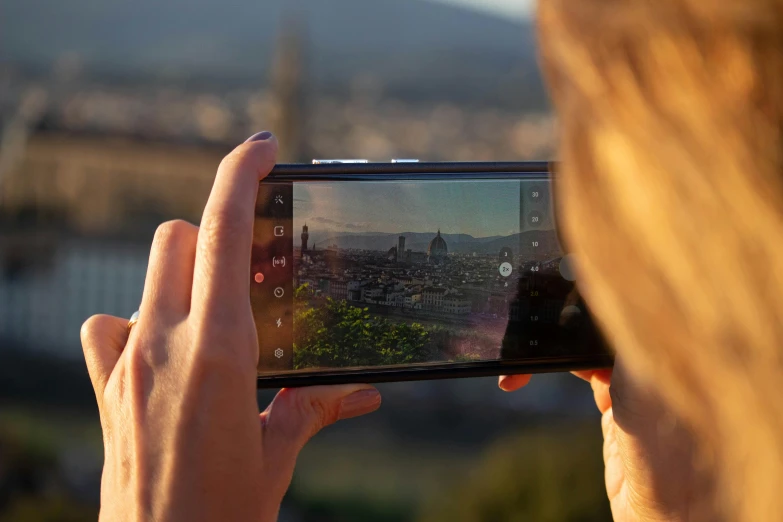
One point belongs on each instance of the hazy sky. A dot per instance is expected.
(478, 208)
(516, 9)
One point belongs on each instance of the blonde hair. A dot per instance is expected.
(670, 192)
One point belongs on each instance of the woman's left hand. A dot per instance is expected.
(648, 455)
(183, 435)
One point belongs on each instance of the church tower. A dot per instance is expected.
(305, 237)
(401, 249)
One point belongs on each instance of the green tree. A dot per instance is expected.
(553, 474)
(336, 334)
(43, 508)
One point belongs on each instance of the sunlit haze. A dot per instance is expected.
(481, 209)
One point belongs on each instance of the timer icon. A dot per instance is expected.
(279, 353)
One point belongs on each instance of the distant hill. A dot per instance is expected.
(419, 241)
(413, 47)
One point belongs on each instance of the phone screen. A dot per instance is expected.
(367, 274)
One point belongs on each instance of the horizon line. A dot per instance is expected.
(397, 234)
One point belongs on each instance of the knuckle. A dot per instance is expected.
(222, 226)
(90, 329)
(232, 159)
(147, 351)
(171, 232)
(141, 363)
(220, 222)
(305, 414)
(320, 412)
(87, 329)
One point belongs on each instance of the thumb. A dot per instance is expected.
(103, 338)
(296, 414)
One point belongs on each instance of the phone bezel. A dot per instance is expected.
(418, 171)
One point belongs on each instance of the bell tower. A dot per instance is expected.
(305, 237)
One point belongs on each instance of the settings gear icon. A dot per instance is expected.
(279, 353)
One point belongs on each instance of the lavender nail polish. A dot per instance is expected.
(259, 136)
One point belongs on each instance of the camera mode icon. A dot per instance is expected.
(279, 353)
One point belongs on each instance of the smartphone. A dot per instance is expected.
(371, 272)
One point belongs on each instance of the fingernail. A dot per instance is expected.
(259, 136)
(359, 403)
(503, 382)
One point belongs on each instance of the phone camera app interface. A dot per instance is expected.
(383, 273)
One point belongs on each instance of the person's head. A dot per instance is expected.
(670, 191)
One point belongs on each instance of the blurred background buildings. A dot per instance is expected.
(114, 117)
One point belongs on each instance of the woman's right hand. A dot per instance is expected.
(183, 435)
(648, 455)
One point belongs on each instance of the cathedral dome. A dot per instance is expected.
(437, 247)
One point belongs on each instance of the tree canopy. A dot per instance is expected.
(336, 334)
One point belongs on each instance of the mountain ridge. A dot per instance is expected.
(419, 241)
(408, 46)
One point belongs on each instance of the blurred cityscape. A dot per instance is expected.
(91, 161)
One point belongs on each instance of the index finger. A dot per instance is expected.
(603, 375)
(103, 339)
(513, 382)
(222, 268)
(600, 381)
